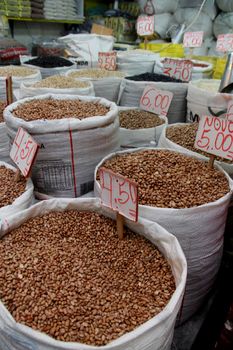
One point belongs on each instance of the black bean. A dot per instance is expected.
(153, 77)
(49, 62)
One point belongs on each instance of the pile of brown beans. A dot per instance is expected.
(9, 188)
(2, 107)
(58, 109)
(139, 119)
(68, 275)
(168, 179)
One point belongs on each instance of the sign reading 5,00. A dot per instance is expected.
(145, 25)
(156, 101)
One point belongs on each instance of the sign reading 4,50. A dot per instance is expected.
(156, 101)
(23, 151)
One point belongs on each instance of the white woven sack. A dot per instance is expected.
(200, 232)
(160, 6)
(164, 142)
(70, 148)
(88, 46)
(103, 87)
(4, 144)
(197, 72)
(26, 90)
(130, 137)
(46, 72)
(223, 23)
(155, 334)
(225, 5)
(131, 91)
(203, 99)
(163, 22)
(134, 68)
(16, 81)
(136, 61)
(22, 202)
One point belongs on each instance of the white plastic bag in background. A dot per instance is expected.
(225, 5)
(70, 148)
(88, 46)
(200, 231)
(223, 23)
(155, 334)
(160, 6)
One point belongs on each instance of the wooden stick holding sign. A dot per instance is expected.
(215, 136)
(9, 90)
(23, 152)
(121, 195)
(145, 27)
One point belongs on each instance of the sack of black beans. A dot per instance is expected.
(190, 200)
(48, 65)
(181, 136)
(106, 83)
(131, 92)
(74, 133)
(15, 196)
(138, 127)
(105, 293)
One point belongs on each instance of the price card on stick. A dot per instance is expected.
(145, 27)
(119, 194)
(179, 69)
(229, 114)
(193, 39)
(156, 101)
(23, 151)
(224, 43)
(107, 60)
(215, 136)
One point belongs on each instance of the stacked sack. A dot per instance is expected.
(223, 23)
(37, 8)
(16, 8)
(60, 9)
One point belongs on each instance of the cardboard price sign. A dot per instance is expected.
(193, 39)
(229, 114)
(156, 101)
(119, 193)
(23, 151)
(145, 25)
(215, 136)
(179, 69)
(225, 42)
(107, 60)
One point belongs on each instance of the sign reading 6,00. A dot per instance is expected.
(156, 101)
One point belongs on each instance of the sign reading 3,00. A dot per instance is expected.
(156, 101)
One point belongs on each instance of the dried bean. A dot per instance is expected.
(154, 77)
(49, 62)
(138, 119)
(16, 71)
(9, 189)
(58, 109)
(60, 82)
(168, 179)
(96, 73)
(68, 275)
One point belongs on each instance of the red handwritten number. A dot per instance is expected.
(122, 193)
(18, 144)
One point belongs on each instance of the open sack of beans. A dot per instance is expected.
(138, 126)
(57, 84)
(132, 88)
(48, 65)
(106, 83)
(187, 198)
(80, 287)
(203, 98)
(4, 141)
(181, 136)
(14, 196)
(75, 133)
(19, 75)
(200, 70)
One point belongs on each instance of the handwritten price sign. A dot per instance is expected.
(156, 101)
(179, 69)
(23, 151)
(107, 60)
(119, 193)
(215, 136)
(229, 114)
(193, 39)
(145, 25)
(225, 42)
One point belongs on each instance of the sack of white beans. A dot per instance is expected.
(180, 193)
(74, 133)
(154, 333)
(15, 197)
(131, 92)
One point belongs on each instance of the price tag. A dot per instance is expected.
(145, 25)
(215, 136)
(179, 69)
(107, 60)
(119, 193)
(156, 101)
(229, 114)
(23, 151)
(193, 39)
(225, 42)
